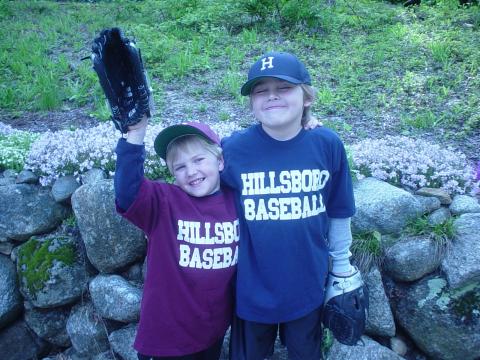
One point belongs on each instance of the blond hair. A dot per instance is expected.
(309, 94)
(185, 142)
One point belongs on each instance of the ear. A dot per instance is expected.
(307, 102)
(221, 163)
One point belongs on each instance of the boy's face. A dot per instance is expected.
(197, 171)
(278, 105)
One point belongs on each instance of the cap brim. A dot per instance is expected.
(166, 136)
(248, 86)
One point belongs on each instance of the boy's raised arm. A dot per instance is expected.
(129, 168)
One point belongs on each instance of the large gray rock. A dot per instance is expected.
(107, 355)
(93, 175)
(17, 342)
(122, 342)
(380, 318)
(64, 187)
(10, 298)
(370, 351)
(27, 210)
(87, 331)
(463, 204)
(427, 203)
(115, 298)
(6, 247)
(111, 242)
(444, 323)
(412, 258)
(440, 194)
(26, 177)
(382, 207)
(462, 262)
(71, 354)
(49, 324)
(439, 216)
(52, 271)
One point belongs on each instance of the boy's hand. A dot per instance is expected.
(142, 125)
(136, 133)
(312, 124)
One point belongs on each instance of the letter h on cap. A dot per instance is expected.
(267, 62)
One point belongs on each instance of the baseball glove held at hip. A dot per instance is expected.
(346, 307)
(119, 66)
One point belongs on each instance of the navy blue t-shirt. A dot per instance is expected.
(286, 191)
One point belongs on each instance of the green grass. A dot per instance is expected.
(368, 58)
(442, 233)
(367, 250)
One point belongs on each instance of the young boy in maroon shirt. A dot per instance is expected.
(192, 229)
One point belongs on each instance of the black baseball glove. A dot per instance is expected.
(119, 66)
(346, 307)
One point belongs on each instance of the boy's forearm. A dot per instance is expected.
(340, 240)
(128, 173)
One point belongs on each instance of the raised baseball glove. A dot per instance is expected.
(119, 66)
(346, 307)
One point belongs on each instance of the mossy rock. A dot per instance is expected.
(51, 271)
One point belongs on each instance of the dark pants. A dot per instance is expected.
(212, 353)
(303, 338)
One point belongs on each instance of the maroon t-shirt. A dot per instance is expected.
(191, 260)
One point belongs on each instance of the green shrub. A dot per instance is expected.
(14, 149)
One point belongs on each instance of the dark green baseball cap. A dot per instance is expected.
(167, 135)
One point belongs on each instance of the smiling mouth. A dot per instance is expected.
(275, 107)
(196, 181)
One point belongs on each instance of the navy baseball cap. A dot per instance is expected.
(280, 65)
(167, 135)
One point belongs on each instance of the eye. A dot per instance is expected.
(199, 160)
(285, 87)
(259, 90)
(178, 168)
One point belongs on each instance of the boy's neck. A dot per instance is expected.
(283, 133)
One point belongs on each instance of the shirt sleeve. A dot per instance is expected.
(340, 240)
(341, 203)
(129, 171)
(226, 173)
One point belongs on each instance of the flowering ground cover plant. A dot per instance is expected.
(67, 152)
(414, 163)
(399, 160)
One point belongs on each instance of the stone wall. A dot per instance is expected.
(71, 273)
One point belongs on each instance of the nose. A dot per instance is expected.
(191, 169)
(272, 94)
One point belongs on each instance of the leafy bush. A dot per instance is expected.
(289, 12)
(413, 163)
(14, 147)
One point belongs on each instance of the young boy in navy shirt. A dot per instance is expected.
(295, 195)
(192, 231)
